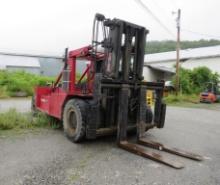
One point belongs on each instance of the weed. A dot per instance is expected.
(15, 120)
(172, 99)
(12, 119)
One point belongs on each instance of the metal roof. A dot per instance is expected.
(6, 60)
(162, 68)
(203, 52)
(30, 55)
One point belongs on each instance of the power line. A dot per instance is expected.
(202, 34)
(146, 9)
(173, 4)
(161, 9)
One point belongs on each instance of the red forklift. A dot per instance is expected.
(211, 94)
(110, 95)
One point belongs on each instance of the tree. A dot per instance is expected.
(170, 45)
(194, 81)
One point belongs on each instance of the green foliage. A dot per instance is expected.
(170, 45)
(14, 120)
(20, 81)
(3, 92)
(186, 83)
(40, 120)
(194, 81)
(12, 83)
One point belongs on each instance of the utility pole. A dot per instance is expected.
(177, 84)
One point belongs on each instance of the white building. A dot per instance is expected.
(161, 66)
(36, 64)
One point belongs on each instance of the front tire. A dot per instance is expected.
(74, 117)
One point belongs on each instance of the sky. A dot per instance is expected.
(49, 26)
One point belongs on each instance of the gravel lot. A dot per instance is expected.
(48, 158)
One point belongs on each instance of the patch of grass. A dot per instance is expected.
(190, 101)
(182, 98)
(15, 120)
(12, 119)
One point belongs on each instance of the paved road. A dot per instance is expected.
(48, 158)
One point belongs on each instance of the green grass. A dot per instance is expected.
(13, 120)
(182, 98)
(190, 101)
(3, 92)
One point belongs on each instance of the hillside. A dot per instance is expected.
(170, 45)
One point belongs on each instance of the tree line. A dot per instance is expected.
(170, 45)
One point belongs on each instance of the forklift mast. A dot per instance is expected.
(124, 48)
(120, 87)
(120, 75)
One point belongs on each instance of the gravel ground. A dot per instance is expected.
(48, 158)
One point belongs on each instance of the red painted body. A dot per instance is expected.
(51, 99)
(210, 94)
(208, 97)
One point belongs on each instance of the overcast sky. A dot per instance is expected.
(48, 26)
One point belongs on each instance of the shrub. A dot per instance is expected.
(13, 82)
(194, 81)
(20, 81)
(186, 83)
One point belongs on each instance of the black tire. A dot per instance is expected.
(74, 116)
(149, 115)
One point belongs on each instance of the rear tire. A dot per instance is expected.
(74, 116)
